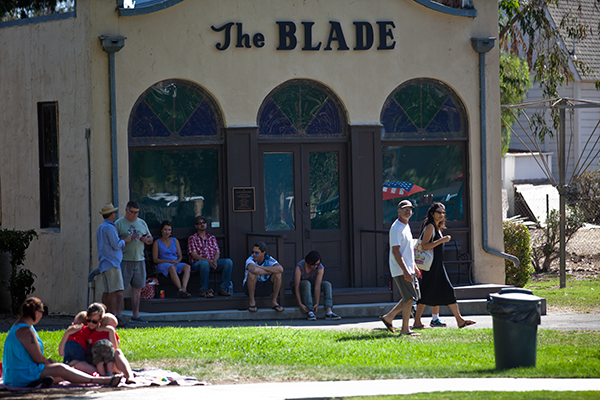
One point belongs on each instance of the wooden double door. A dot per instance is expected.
(305, 197)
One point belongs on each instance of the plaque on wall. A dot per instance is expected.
(243, 199)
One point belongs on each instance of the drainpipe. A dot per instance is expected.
(89, 171)
(482, 46)
(111, 45)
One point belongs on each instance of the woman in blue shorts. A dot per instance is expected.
(166, 254)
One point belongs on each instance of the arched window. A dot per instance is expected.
(175, 143)
(424, 149)
(423, 109)
(301, 108)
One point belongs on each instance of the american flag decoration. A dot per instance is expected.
(394, 189)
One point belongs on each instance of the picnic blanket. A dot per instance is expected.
(143, 378)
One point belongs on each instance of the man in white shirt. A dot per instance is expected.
(402, 268)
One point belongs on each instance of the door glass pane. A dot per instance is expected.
(176, 185)
(279, 191)
(324, 191)
(423, 174)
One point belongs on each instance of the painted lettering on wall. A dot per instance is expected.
(290, 38)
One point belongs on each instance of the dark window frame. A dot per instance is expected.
(49, 164)
(416, 225)
(176, 142)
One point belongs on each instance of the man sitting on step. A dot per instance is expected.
(264, 276)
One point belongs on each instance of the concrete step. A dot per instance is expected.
(467, 307)
(348, 302)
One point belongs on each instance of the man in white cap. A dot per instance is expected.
(110, 255)
(402, 268)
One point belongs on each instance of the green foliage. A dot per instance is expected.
(20, 286)
(546, 246)
(517, 243)
(514, 85)
(20, 281)
(525, 31)
(21, 9)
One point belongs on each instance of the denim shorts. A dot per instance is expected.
(73, 352)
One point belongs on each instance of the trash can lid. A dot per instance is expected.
(514, 296)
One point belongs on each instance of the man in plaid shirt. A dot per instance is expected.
(204, 256)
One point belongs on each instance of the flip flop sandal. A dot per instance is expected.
(277, 308)
(209, 295)
(389, 326)
(117, 378)
(467, 323)
(411, 333)
(253, 309)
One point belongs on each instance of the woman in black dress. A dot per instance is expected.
(436, 289)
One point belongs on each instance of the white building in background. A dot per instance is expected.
(582, 123)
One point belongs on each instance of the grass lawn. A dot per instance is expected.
(251, 354)
(486, 396)
(263, 354)
(579, 295)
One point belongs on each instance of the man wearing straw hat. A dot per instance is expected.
(110, 255)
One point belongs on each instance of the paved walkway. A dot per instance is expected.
(550, 321)
(326, 390)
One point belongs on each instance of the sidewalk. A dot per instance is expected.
(569, 321)
(327, 390)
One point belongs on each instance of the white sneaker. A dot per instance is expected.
(311, 316)
(332, 317)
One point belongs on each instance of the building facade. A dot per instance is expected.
(303, 122)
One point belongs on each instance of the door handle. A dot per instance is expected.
(307, 204)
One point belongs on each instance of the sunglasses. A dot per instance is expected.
(201, 223)
(91, 321)
(256, 252)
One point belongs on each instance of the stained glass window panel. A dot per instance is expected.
(422, 109)
(175, 112)
(301, 108)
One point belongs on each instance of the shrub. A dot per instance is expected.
(21, 280)
(517, 243)
(545, 246)
(585, 192)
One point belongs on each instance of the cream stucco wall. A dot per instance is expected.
(63, 61)
(428, 44)
(47, 62)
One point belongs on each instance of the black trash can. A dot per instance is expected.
(515, 315)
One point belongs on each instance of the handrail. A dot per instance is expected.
(456, 247)
(279, 237)
(374, 231)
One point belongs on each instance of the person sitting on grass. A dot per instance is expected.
(24, 362)
(73, 344)
(263, 277)
(103, 350)
(307, 276)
